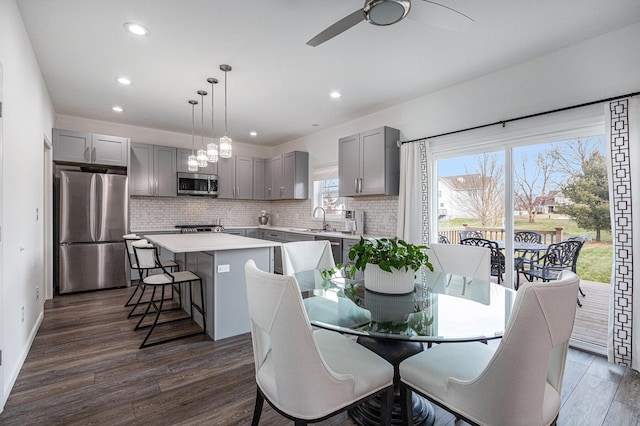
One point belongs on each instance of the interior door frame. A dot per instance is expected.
(46, 292)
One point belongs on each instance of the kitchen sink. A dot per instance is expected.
(313, 230)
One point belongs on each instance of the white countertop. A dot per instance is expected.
(206, 241)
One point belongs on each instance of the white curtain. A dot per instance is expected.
(622, 121)
(413, 202)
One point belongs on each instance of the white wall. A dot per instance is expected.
(599, 68)
(28, 119)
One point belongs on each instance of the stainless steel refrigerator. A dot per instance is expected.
(92, 213)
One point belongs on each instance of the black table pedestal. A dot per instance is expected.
(394, 351)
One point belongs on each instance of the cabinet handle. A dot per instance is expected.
(355, 184)
(93, 154)
(360, 185)
(281, 191)
(269, 192)
(238, 192)
(86, 154)
(157, 187)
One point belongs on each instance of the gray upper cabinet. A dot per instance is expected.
(259, 184)
(152, 170)
(369, 163)
(235, 177)
(88, 148)
(183, 157)
(290, 176)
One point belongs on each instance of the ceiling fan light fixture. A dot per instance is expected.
(386, 12)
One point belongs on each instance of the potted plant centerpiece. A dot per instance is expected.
(389, 264)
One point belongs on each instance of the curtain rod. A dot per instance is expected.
(504, 122)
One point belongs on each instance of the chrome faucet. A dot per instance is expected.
(324, 217)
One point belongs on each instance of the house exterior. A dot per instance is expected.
(547, 82)
(454, 193)
(550, 203)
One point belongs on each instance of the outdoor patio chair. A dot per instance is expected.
(469, 233)
(558, 257)
(497, 257)
(527, 256)
(442, 239)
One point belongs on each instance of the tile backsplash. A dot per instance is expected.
(146, 213)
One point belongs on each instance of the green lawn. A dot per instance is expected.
(596, 258)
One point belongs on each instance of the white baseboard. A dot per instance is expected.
(23, 356)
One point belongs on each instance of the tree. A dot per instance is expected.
(589, 193)
(531, 185)
(485, 199)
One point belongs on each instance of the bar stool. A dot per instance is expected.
(146, 256)
(143, 272)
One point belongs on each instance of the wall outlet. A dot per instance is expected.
(22, 310)
(224, 268)
(37, 293)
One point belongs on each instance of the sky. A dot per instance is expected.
(456, 166)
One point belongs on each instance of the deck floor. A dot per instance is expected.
(592, 318)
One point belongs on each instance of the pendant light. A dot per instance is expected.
(192, 161)
(212, 148)
(225, 141)
(202, 153)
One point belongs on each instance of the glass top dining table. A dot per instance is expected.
(443, 307)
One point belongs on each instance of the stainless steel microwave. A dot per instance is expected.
(197, 184)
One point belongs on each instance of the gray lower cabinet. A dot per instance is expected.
(290, 237)
(277, 252)
(87, 148)
(183, 166)
(369, 163)
(239, 232)
(222, 271)
(235, 178)
(152, 171)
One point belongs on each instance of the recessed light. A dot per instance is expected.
(335, 94)
(136, 29)
(117, 108)
(123, 80)
(253, 133)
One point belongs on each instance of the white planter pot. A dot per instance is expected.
(396, 282)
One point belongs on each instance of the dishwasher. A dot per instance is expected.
(336, 247)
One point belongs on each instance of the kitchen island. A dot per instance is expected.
(219, 260)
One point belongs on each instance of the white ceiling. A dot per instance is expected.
(279, 86)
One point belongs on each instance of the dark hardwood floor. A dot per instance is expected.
(85, 368)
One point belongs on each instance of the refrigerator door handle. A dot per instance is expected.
(92, 208)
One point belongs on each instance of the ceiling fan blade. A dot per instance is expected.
(440, 16)
(338, 28)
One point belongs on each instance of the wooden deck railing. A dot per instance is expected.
(453, 234)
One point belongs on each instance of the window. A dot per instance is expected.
(325, 192)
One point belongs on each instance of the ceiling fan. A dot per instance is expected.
(388, 12)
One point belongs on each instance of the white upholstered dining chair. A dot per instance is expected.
(459, 259)
(517, 383)
(306, 375)
(306, 255)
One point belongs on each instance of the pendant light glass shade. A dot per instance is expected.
(192, 161)
(225, 141)
(212, 148)
(202, 153)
